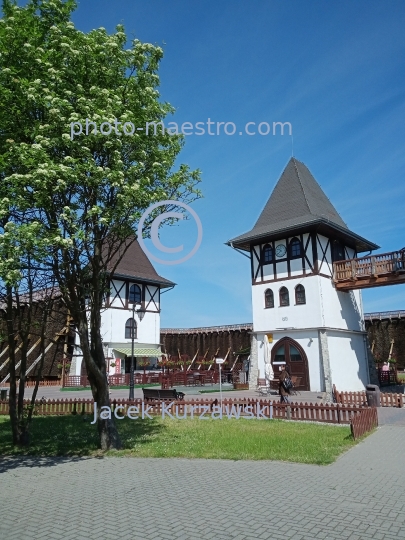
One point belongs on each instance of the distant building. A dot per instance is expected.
(134, 283)
(299, 318)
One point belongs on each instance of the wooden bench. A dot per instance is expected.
(158, 393)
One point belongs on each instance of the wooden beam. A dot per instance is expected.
(368, 282)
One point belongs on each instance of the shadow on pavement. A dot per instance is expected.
(8, 463)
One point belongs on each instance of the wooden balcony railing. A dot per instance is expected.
(370, 271)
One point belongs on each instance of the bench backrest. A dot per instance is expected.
(158, 393)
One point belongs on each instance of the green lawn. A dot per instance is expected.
(191, 438)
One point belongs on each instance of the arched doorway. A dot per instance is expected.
(288, 351)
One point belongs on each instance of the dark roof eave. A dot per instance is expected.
(163, 284)
(244, 244)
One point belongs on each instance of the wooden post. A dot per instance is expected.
(192, 361)
(353, 264)
(373, 272)
(63, 371)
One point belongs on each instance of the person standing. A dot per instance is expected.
(284, 393)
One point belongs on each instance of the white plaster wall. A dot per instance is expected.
(267, 272)
(113, 326)
(255, 258)
(297, 316)
(325, 307)
(340, 309)
(152, 297)
(296, 267)
(348, 361)
(118, 292)
(323, 246)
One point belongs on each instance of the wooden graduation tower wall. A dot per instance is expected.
(298, 315)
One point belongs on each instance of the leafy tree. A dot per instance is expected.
(84, 194)
(26, 299)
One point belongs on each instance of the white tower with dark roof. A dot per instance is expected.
(299, 318)
(134, 281)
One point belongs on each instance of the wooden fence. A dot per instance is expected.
(182, 378)
(363, 422)
(31, 383)
(359, 399)
(54, 382)
(334, 413)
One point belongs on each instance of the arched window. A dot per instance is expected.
(295, 248)
(284, 297)
(267, 254)
(300, 294)
(269, 298)
(135, 295)
(131, 330)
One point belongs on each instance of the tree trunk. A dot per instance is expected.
(93, 357)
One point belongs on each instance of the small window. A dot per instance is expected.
(280, 354)
(300, 294)
(295, 248)
(135, 295)
(284, 297)
(338, 252)
(130, 329)
(267, 254)
(295, 355)
(269, 298)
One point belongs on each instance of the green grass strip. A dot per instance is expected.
(191, 438)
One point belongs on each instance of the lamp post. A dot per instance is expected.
(220, 361)
(131, 369)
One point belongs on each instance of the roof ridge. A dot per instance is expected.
(302, 187)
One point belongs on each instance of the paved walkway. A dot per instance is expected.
(359, 497)
(392, 417)
(54, 392)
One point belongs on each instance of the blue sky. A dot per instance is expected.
(334, 70)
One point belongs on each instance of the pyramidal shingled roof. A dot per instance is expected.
(297, 198)
(297, 201)
(134, 264)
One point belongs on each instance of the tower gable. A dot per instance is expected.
(298, 205)
(296, 199)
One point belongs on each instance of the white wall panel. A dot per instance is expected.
(281, 270)
(348, 361)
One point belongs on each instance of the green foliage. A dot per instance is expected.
(66, 195)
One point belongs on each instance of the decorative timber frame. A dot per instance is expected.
(119, 292)
(316, 258)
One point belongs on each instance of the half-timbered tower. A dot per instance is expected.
(132, 310)
(299, 318)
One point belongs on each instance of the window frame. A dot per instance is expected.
(284, 291)
(138, 290)
(302, 293)
(295, 242)
(267, 248)
(268, 293)
(131, 329)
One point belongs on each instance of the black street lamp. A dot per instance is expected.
(140, 311)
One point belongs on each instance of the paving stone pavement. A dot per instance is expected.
(360, 496)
